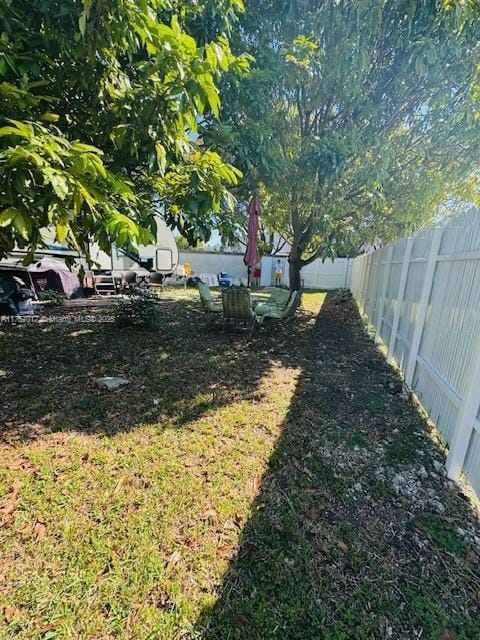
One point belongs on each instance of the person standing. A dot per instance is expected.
(278, 272)
(257, 272)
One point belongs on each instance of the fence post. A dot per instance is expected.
(367, 270)
(464, 425)
(383, 293)
(399, 300)
(423, 305)
(345, 286)
(362, 284)
(373, 290)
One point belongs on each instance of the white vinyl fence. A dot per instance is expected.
(422, 295)
(317, 275)
(214, 262)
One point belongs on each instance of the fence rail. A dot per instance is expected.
(422, 295)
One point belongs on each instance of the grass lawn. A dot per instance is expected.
(270, 488)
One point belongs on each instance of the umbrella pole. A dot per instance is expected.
(249, 272)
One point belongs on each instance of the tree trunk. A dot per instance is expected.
(296, 263)
(294, 268)
(300, 237)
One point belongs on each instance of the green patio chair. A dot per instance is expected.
(278, 299)
(208, 302)
(279, 296)
(265, 310)
(237, 305)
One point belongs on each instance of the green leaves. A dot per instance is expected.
(8, 215)
(85, 14)
(48, 116)
(193, 193)
(302, 51)
(18, 222)
(161, 158)
(61, 231)
(357, 119)
(18, 129)
(100, 110)
(122, 228)
(60, 183)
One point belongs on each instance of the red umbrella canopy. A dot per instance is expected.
(252, 255)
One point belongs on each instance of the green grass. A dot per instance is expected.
(212, 498)
(441, 532)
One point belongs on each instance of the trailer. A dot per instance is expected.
(119, 267)
(161, 257)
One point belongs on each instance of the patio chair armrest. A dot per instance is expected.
(265, 308)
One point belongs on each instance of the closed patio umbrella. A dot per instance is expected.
(252, 255)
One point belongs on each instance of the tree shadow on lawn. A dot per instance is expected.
(184, 369)
(333, 551)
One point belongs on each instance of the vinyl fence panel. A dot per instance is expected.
(316, 275)
(422, 295)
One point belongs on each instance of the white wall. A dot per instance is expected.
(328, 274)
(317, 275)
(214, 262)
(422, 295)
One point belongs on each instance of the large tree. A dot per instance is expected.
(100, 102)
(358, 117)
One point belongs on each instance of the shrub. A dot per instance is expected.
(54, 298)
(140, 310)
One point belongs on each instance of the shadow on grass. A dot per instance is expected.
(178, 372)
(332, 551)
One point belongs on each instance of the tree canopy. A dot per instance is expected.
(357, 119)
(100, 103)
